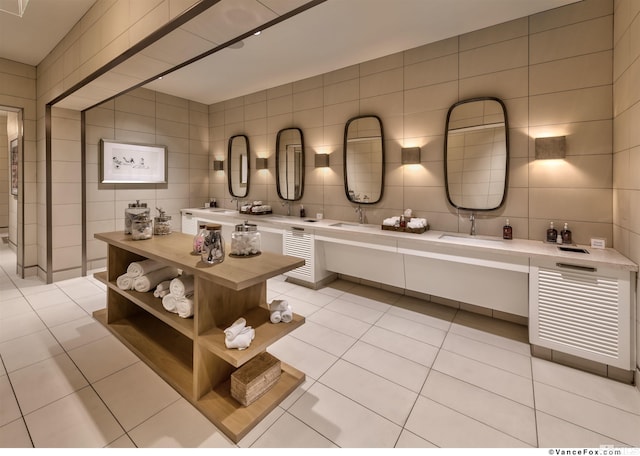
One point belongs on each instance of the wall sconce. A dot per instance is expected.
(261, 163)
(322, 160)
(551, 148)
(410, 155)
(218, 165)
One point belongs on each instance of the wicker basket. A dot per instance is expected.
(255, 378)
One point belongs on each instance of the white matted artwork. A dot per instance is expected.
(126, 163)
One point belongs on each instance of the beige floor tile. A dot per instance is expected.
(61, 313)
(376, 393)
(122, 442)
(134, 394)
(429, 313)
(304, 357)
(343, 421)
(22, 351)
(254, 434)
(11, 307)
(78, 332)
(79, 420)
(447, 428)
(324, 338)
(47, 298)
(410, 440)
(339, 322)
(102, 358)
(20, 325)
(15, 435)
(357, 311)
(401, 345)
(603, 419)
(308, 295)
(556, 433)
(47, 381)
(509, 336)
(9, 411)
(290, 432)
(179, 425)
(414, 330)
(399, 370)
(491, 378)
(500, 413)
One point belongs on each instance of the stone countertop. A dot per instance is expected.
(451, 243)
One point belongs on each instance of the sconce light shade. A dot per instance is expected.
(218, 165)
(322, 160)
(410, 155)
(261, 163)
(551, 148)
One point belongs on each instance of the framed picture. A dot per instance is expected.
(13, 152)
(124, 163)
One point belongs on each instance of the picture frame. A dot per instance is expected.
(132, 163)
(13, 152)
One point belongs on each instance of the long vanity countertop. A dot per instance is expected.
(452, 243)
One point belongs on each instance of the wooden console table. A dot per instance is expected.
(190, 354)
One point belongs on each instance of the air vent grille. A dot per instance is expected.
(299, 244)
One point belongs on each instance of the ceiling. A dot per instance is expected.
(327, 36)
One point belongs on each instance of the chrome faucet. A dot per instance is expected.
(360, 211)
(288, 204)
(472, 218)
(237, 200)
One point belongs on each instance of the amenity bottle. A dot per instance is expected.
(566, 234)
(552, 233)
(507, 231)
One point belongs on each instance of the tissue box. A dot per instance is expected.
(255, 378)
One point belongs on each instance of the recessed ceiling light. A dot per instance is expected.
(257, 33)
(237, 45)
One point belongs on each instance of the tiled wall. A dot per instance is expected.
(552, 70)
(109, 28)
(626, 144)
(146, 117)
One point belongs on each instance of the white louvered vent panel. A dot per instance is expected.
(579, 310)
(299, 244)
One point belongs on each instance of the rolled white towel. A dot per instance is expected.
(417, 223)
(391, 221)
(149, 281)
(170, 303)
(162, 289)
(242, 340)
(184, 306)
(140, 268)
(125, 282)
(278, 304)
(182, 286)
(276, 316)
(161, 293)
(287, 314)
(236, 328)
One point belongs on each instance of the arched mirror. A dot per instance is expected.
(290, 164)
(364, 159)
(238, 166)
(476, 154)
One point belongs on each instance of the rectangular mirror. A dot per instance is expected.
(364, 159)
(290, 164)
(476, 154)
(238, 166)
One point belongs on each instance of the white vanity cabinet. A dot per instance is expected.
(490, 280)
(301, 242)
(583, 310)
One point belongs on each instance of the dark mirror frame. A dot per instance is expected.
(344, 157)
(278, 170)
(229, 162)
(506, 172)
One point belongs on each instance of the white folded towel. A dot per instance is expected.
(417, 223)
(287, 315)
(170, 303)
(150, 280)
(125, 282)
(391, 221)
(140, 268)
(162, 289)
(236, 328)
(280, 311)
(184, 306)
(242, 340)
(278, 304)
(182, 286)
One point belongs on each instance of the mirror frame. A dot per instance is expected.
(278, 164)
(344, 157)
(229, 148)
(506, 134)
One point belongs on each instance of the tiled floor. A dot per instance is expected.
(383, 370)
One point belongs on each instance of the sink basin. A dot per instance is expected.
(353, 225)
(468, 239)
(220, 210)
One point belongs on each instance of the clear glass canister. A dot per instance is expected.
(245, 240)
(134, 210)
(141, 228)
(161, 223)
(198, 239)
(213, 246)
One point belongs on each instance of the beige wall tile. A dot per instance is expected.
(501, 56)
(571, 73)
(430, 72)
(490, 35)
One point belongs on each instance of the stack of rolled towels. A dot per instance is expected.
(239, 335)
(280, 311)
(145, 275)
(179, 299)
(417, 223)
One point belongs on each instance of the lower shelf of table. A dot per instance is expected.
(170, 355)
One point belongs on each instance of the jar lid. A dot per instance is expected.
(246, 226)
(214, 226)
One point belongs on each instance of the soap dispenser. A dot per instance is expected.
(552, 233)
(302, 211)
(566, 234)
(507, 231)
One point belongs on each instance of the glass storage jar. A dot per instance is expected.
(141, 228)
(245, 240)
(134, 210)
(213, 246)
(198, 239)
(161, 223)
